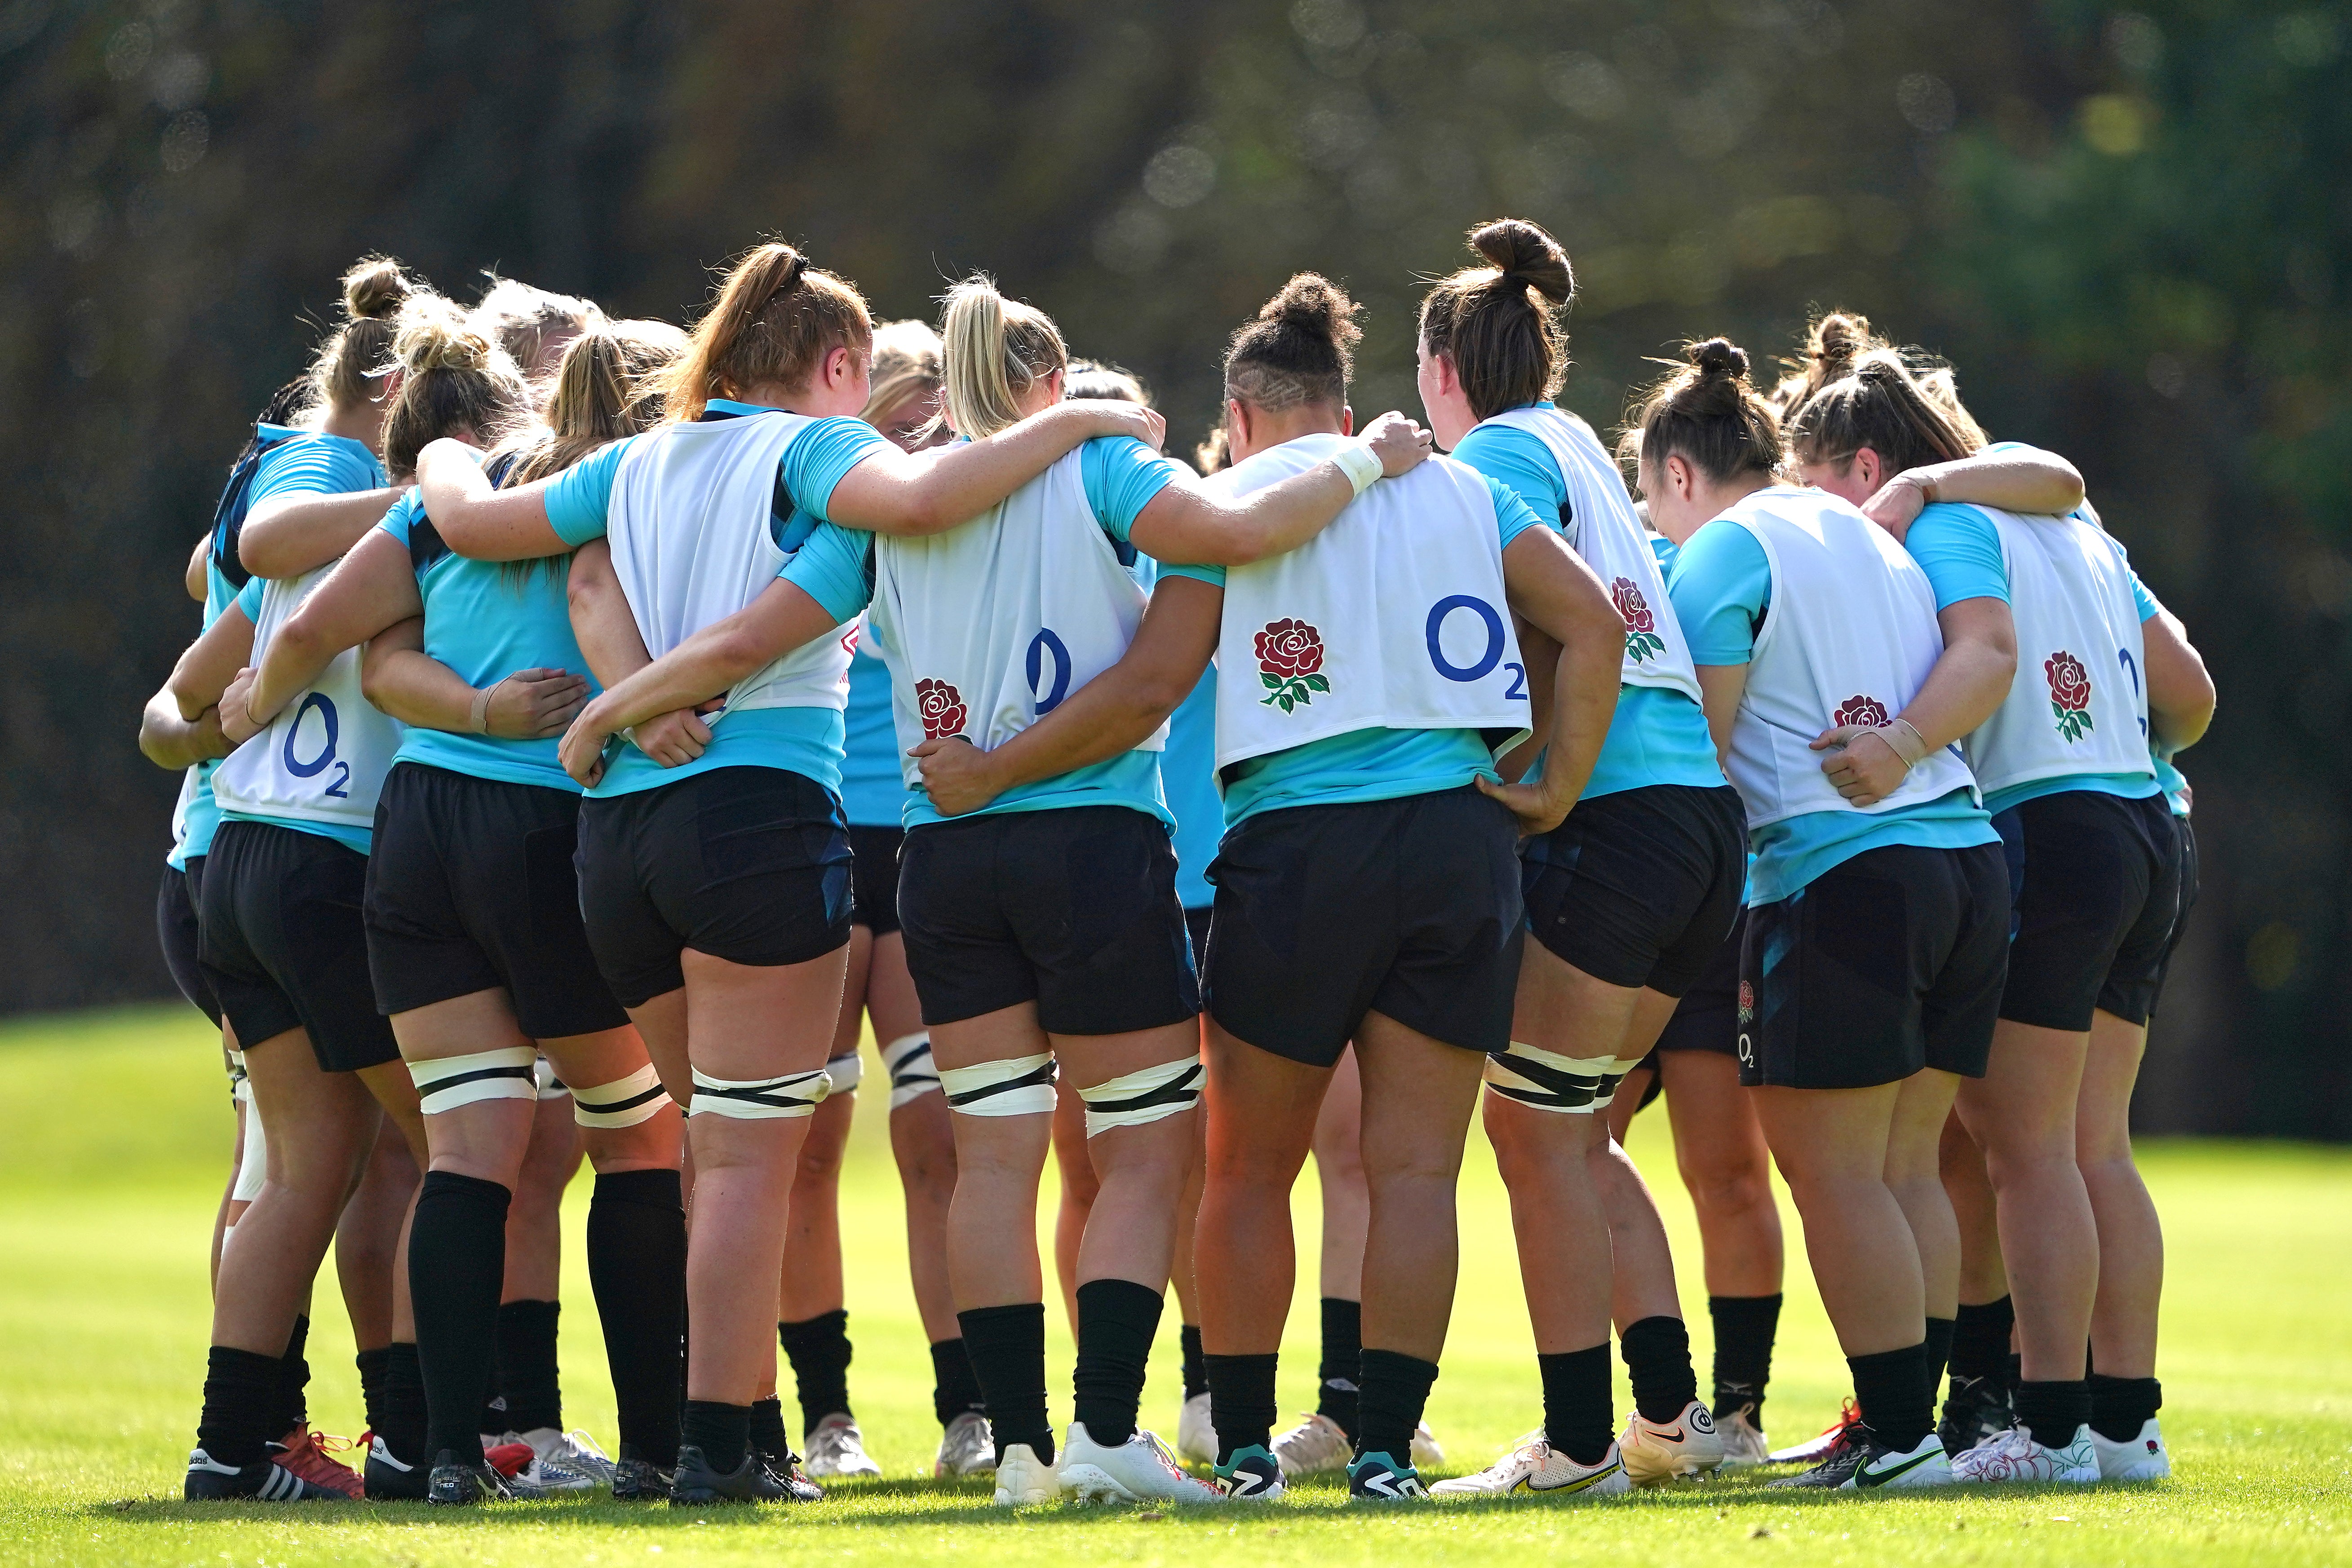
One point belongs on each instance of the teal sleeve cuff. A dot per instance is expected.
(1122, 475)
(836, 568)
(821, 456)
(577, 499)
(1214, 577)
(1513, 515)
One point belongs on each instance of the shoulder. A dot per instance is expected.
(400, 518)
(1719, 557)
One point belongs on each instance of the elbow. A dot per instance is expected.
(373, 684)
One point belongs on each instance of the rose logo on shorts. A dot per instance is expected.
(1867, 711)
(2070, 694)
(942, 706)
(1643, 642)
(1746, 1002)
(1289, 661)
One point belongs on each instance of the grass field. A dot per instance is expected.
(112, 1163)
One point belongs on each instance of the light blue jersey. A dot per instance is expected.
(1365, 764)
(485, 620)
(804, 741)
(1120, 476)
(1721, 585)
(1658, 736)
(1188, 773)
(873, 786)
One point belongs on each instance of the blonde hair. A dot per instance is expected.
(995, 350)
(906, 366)
(775, 319)
(522, 319)
(1105, 382)
(454, 378)
(375, 290)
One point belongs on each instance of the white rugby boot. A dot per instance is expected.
(1659, 1453)
(1426, 1454)
(561, 1461)
(1141, 1469)
(836, 1450)
(1882, 1469)
(966, 1448)
(1535, 1465)
(2141, 1459)
(1744, 1443)
(2014, 1456)
(1316, 1447)
(1023, 1479)
(1196, 1439)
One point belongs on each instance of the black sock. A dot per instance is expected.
(240, 1390)
(1939, 1353)
(636, 1267)
(528, 1377)
(723, 1433)
(1241, 1401)
(1981, 1340)
(1578, 1418)
(370, 1365)
(1393, 1390)
(1892, 1389)
(292, 1406)
(403, 1427)
(1007, 1346)
(1117, 1320)
(1343, 1364)
(2013, 1373)
(456, 1263)
(955, 1387)
(818, 1349)
(1196, 1372)
(1658, 1360)
(767, 1429)
(1745, 1327)
(2120, 1407)
(2052, 1411)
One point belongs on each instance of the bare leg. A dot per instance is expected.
(1261, 1115)
(1983, 1280)
(1831, 1145)
(1920, 1112)
(534, 1269)
(1419, 1094)
(1720, 1148)
(2131, 1239)
(2021, 1115)
(1080, 1186)
(922, 1142)
(1339, 1171)
(1643, 1281)
(367, 1235)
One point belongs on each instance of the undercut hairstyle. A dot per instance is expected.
(775, 321)
(1299, 348)
(1105, 382)
(453, 379)
(355, 354)
(905, 367)
(1498, 324)
(523, 318)
(1880, 405)
(1708, 414)
(995, 351)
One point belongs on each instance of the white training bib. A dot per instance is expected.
(324, 758)
(692, 544)
(1393, 617)
(2078, 704)
(1600, 526)
(988, 627)
(1848, 638)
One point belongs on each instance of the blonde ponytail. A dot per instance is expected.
(454, 378)
(997, 351)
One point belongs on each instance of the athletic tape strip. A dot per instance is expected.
(912, 1074)
(624, 1103)
(544, 1081)
(1017, 1086)
(1546, 1081)
(1143, 1097)
(759, 1099)
(506, 1073)
(845, 1072)
(253, 1164)
(240, 1087)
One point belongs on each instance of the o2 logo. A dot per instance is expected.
(1042, 648)
(1490, 649)
(323, 706)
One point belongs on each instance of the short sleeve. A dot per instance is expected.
(577, 499)
(1122, 475)
(821, 455)
(1214, 577)
(248, 598)
(2142, 600)
(1960, 549)
(314, 465)
(1722, 583)
(1513, 515)
(401, 517)
(836, 568)
(1520, 461)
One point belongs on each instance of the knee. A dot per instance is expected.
(820, 1165)
(1727, 1188)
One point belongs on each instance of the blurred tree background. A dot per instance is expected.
(2127, 228)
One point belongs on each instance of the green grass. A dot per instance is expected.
(112, 1163)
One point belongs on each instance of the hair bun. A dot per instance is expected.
(436, 334)
(1310, 303)
(1836, 341)
(1526, 255)
(374, 287)
(1718, 356)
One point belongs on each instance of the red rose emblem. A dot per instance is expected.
(2070, 694)
(1747, 1001)
(1860, 709)
(1290, 664)
(1643, 642)
(942, 706)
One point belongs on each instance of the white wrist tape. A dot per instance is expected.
(1144, 1096)
(1904, 739)
(908, 1060)
(624, 1103)
(253, 1163)
(1360, 463)
(843, 1073)
(1546, 1081)
(506, 1073)
(1016, 1086)
(793, 1095)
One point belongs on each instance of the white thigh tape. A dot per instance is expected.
(543, 1078)
(240, 1087)
(844, 1072)
(506, 1073)
(908, 1059)
(1142, 1097)
(253, 1165)
(759, 1099)
(624, 1103)
(1017, 1086)
(1606, 1095)
(1548, 1082)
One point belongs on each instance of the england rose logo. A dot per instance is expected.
(942, 706)
(2070, 694)
(1746, 1002)
(1867, 711)
(1643, 642)
(1290, 664)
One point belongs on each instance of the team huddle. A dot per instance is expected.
(597, 727)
